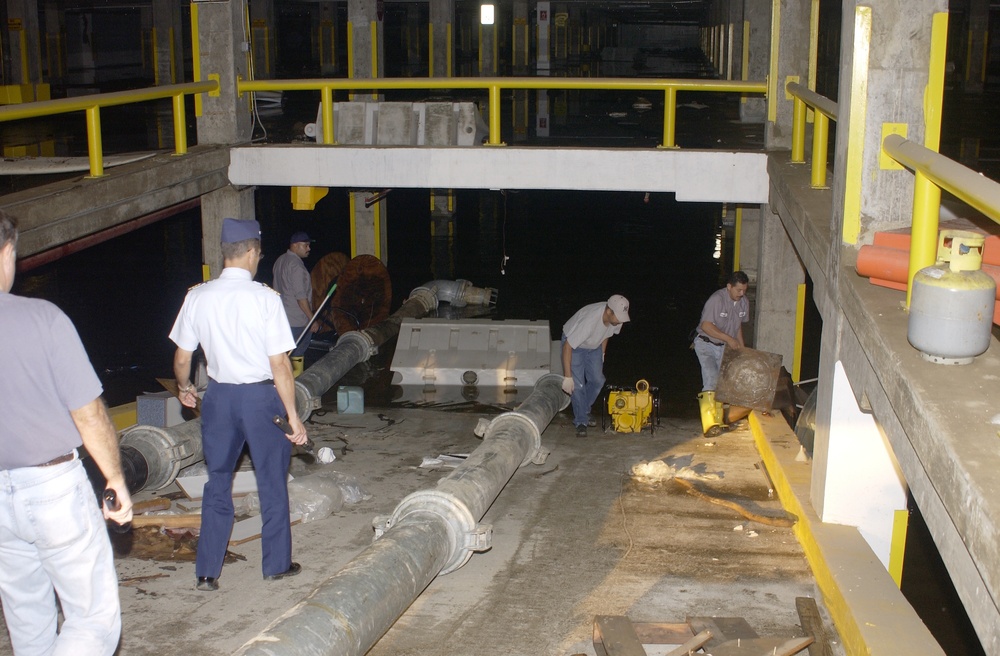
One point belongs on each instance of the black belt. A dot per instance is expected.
(266, 381)
(703, 338)
(58, 460)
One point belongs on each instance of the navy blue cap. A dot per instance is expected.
(299, 236)
(234, 230)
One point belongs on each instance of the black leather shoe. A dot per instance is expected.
(292, 570)
(207, 583)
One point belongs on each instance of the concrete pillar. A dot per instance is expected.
(520, 39)
(167, 45)
(23, 43)
(366, 58)
(489, 46)
(790, 31)
(223, 118)
(748, 225)
(543, 63)
(884, 66)
(443, 236)
(55, 48)
(442, 48)
(734, 47)
(368, 228)
(264, 38)
(412, 39)
(976, 53)
(328, 37)
(757, 33)
(779, 274)
(215, 206)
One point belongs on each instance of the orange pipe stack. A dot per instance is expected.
(886, 261)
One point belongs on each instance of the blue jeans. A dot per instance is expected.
(53, 541)
(710, 357)
(587, 367)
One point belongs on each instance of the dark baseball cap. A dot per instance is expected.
(299, 236)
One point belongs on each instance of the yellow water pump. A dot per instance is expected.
(632, 410)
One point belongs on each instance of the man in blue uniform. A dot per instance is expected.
(242, 327)
(584, 341)
(292, 281)
(721, 326)
(52, 535)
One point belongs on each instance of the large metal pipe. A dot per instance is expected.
(152, 456)
(353, 348)
(430, 532)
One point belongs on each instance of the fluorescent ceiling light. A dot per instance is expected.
(486, 14)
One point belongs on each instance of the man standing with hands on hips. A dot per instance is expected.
(242, 327)
(52, 536)
(584, 342)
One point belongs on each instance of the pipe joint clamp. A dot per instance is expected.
(464, 534)
(427, 297)
(364, 342)
(513, 419)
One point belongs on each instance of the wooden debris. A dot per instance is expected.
(812, 624)
(160, 503)
(167, 521)
(762, 647)
(614, 636)
(784, 522)
(136, 580)
(692, 644)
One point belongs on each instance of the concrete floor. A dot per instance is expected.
(576, 537)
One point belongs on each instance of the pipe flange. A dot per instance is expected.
(517, 418)
(155, 443)
(464, 534)
(366, 343)
(426, 296)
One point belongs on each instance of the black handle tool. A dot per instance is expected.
(282, 423)
(111, 499)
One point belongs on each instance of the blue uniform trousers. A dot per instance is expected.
(231, 416)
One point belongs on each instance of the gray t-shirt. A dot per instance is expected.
(292, 281)
(46, 374)
(727, 315)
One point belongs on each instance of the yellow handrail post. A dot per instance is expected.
(326, 95)
(821, 132)
(494, 103)
(669, 116)
(94, 141)
(180, 125)
(924, 228)
(799, 131)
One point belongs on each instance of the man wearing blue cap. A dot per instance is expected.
(293, 282)
(242, 327)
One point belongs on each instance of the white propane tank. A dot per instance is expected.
(951, 304)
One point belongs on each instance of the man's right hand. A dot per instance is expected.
(568, 385)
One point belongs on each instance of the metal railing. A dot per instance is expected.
(494, 85)
(930, 167)
(92, 105)
(824, 109)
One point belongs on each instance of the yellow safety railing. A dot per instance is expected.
(969, 186)
(824, 109)
(493, 85)
(92, 105)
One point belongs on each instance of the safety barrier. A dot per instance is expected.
(92, 105)
(494, 85)
(824, 109)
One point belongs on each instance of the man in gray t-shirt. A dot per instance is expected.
(292, 281)
(721, 326)
(53, 538)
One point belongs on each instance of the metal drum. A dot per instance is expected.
(951, 305)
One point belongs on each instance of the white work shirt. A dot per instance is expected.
(239, 323)
(586, 328)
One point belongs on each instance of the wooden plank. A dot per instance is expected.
(722, 628)
(662, 633)
(812, 624)
(249, 529)
(160, 503)
(692, 644)
(614, 636)
(762, 647)
(168, 521)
